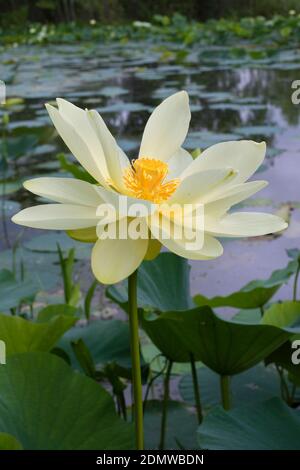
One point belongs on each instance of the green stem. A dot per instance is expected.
(165, 407)
(196, 390)
(135, 358)
(225, 392)
(261, 308)
(296, 282)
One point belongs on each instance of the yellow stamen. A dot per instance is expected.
(145, 180)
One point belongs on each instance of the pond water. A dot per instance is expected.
(232, 96)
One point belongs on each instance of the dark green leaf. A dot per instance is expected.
(226, 346)
(163, 284)
(270, 425)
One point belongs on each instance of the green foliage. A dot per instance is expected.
(225, 346)
(8, 442)
(163, 284)
(266, 426)
(13, 292)
(71, 289)
(47, 406)
(107, 341)
(252, 386)
(22, 335)
(277, 30)
(255, 294)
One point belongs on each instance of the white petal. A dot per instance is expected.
(221, 202)
(178, 163)
(195, 186)
(125, 205)
(57, 217)
(245, 224)
(208, 246)
(115, 260)
(65, 190)
(166, 128)
(78, 119)
(245, 156)
(111, 150)
(77, 145)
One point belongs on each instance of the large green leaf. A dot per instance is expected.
(22, 335)
(282, 356)
(163, 284)
(180, 428)
(13, 292)
(254, 385)
(282, 314)
(270, 425)
(8, 442)
(226, 346)
(253, 295)
(44, 404)
(107, 341)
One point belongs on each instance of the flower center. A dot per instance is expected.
(145, 180)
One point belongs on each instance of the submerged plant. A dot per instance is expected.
(151, 199)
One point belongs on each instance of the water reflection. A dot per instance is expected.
(231, 98)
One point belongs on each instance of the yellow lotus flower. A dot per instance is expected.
(164, 173)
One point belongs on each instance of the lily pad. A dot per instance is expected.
(45, 405)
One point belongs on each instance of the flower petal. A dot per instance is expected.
(111, 150)
(166, 128)
(125, 205)
(245, 156)
(221, 202)
(245, 224)
(78, 119)
(178, 163)
(57, 217)
(65, 190)
(85, 235)
(208, 246)
(195, 186)
(114, 260)
(77, 145)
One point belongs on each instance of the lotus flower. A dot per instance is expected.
(163, 173)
